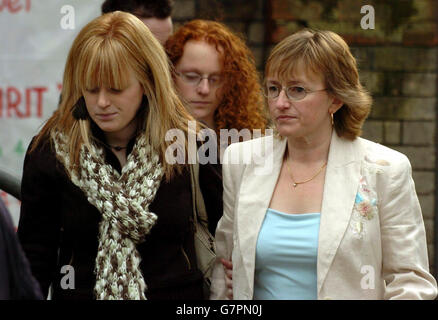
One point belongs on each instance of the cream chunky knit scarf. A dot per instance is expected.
(123, 200)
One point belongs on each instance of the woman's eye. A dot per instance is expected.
(297, 89)
(272, 89)
(213, 79)
(192, 76)
(115, 90)
(93, 90)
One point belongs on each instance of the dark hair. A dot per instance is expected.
(141, 8)
(16, 279)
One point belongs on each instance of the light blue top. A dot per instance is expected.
(286, 253)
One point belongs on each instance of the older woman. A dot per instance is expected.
(103, 214)
(335, 216)
(216, 76)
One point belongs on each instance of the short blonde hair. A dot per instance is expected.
(327, 54)
(102, 53)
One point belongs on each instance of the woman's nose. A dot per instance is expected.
(103, 98)
(203, 87)
(282, 100)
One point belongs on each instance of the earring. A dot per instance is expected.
(333, 122)
(79, 110)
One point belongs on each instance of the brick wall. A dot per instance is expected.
(244, 17)
(398, 63)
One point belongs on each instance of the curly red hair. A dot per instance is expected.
(242, 103)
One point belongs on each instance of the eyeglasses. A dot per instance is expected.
(295, 93)
(194, 79)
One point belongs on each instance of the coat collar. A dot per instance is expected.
(341, 183)
(254, 199)
(340, 188)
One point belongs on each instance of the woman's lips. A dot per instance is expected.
(106, 116)
(200, 103)
(285, 118)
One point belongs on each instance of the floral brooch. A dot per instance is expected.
(365, 208)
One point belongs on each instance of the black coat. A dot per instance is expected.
(16, 280)
(56, 214)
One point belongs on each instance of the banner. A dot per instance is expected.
(35, 37)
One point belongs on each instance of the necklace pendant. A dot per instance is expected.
(295, 185)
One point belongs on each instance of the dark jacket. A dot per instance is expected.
(16, 280)
(56, 214)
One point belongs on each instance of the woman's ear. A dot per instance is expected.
(336, 105)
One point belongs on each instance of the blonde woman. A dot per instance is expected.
(98, 197)
(336, 216)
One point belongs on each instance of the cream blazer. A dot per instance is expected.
(372, 241)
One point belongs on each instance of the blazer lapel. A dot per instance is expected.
(340, 188)
(254, 198)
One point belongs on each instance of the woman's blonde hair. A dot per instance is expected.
(101, 56)
(325, 53)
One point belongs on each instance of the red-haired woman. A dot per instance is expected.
(215, 74)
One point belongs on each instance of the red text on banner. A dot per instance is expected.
(15, 103)
(15, 6)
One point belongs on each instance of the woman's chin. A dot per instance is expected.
(286, 132)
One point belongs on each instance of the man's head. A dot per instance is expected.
(156, 14)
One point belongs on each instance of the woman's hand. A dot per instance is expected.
(228, 268)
